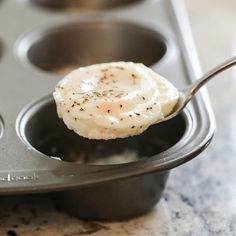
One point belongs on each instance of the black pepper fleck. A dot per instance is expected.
(104, 70)
(120, 67)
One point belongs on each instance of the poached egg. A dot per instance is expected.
(113, 100)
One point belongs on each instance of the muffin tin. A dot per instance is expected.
(39, 154)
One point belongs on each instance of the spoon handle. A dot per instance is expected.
(194, 87)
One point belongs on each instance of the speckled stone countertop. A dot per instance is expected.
(200, 198)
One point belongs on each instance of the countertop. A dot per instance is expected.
(200, 198)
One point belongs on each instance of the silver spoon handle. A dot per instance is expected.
(194, 87)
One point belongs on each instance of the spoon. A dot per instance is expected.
(186, 95)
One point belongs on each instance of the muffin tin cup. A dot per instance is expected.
(40, 128)
(116, 200)
(91, 42)
(39, 154)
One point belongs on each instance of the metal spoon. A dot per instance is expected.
(186, 95)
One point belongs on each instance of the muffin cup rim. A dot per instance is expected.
(160, 160)
(33, 36)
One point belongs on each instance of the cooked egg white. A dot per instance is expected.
(113, 100)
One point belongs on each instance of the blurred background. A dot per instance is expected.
(204, 203)
(213, 27)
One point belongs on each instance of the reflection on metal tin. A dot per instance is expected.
(1, 127)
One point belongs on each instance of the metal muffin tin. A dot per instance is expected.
(38, 45)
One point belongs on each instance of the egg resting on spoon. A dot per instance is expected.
(113, 100)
